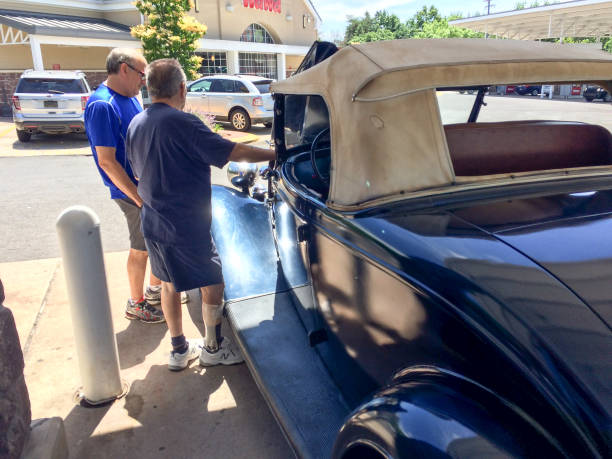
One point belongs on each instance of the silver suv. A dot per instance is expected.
(240, 99)
(50, 101)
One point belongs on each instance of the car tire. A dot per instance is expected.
(534, 92)
(240, 120)
(23, 136)
(268, 124)
(589, 99)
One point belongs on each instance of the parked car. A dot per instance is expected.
(50, 101)
(596, 92)
(414, 289)
(524, 89)
(240, 99)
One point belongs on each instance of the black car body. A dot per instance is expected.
(414, 289)
(595, 92)
(532, 90)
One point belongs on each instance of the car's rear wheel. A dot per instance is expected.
(23, 136)
(268, 124)
(240, 120)
(589, 99)
(534, 92)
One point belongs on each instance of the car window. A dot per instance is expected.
(222, 86)
(50, 85)
(263, 86)
(305, 117)
(200, 86)
(240, 87)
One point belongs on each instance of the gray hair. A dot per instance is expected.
(117, 57)
(164, 78)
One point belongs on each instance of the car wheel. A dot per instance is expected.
(23, 136)
(534, 92)
(589, 99)
(240, 120)
(268, 124)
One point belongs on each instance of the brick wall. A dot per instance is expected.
(9, 80)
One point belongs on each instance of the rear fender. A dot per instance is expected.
(428, 412)
(243, 236)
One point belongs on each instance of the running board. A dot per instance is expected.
(289, 373)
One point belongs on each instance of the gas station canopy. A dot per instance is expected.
(580, 18)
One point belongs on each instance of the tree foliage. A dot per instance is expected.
(426, 23)
(170, 33)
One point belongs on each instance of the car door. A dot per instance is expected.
(220, 96)
(197, 96)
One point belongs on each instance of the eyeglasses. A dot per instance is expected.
(142, 74)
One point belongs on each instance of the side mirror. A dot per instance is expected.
(242, 175)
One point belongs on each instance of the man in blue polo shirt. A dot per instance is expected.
(171, 152)
(108, 114)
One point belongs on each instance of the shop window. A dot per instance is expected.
(256, 34)
(262, 64)
(213, 63)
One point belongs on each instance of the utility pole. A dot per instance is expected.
(488, 2)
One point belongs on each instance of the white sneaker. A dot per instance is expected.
(227, 354)
(178, 362)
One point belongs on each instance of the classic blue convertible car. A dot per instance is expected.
(414, 288)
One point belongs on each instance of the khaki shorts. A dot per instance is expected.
(132, 215)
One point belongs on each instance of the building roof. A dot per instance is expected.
(578, 18)
(60, 25)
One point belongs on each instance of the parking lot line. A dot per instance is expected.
(6, 131)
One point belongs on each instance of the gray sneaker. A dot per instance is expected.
(144, 312)
(227, 354)
(154, 297)
(178, 362)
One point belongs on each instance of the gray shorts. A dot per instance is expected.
(132, 215)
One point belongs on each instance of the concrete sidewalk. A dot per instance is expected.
(214, 412)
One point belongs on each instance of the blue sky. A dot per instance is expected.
(334, 12)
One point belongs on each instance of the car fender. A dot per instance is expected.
(430, 412)
(242, 233)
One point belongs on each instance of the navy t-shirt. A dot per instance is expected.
(171, 153)
(107, 117)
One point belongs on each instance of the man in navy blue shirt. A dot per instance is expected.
(108, 113)
(171, 153)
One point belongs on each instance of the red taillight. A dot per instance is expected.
(16, 103)
(84, 101)
(257, 101)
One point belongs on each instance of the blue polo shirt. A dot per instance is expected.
(107, 117)
(171, 153)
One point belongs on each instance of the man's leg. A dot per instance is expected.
(183, 351)
(212, 313)
(136, 269)
(218, 349)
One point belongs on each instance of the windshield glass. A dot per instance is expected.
(51, 85)
(263, 86)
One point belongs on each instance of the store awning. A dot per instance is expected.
(64, 26)
(580, 18)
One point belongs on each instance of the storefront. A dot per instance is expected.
(264, 37)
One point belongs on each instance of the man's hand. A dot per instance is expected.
(108, 163)
(242, 152)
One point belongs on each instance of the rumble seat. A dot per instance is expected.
(521, 146)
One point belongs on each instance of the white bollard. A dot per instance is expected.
(78, 229)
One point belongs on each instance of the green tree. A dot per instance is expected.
(383, 26)
(423, 16)
(170, 33)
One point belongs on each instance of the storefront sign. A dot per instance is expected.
(267, 5)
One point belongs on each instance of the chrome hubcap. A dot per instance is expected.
(238, 120)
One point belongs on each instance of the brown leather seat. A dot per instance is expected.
(520, 146)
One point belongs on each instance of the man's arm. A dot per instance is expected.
(242, 152)
(108, 163)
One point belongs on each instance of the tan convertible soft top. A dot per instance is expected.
(387, 135)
